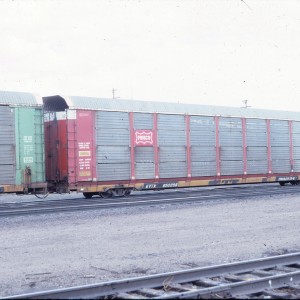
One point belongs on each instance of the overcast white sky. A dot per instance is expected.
(206, 52)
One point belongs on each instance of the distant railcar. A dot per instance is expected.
(111, 146)
(21, 143)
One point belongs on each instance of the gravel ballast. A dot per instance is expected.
(59, 250)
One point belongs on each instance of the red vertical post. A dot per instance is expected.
(132, 158)
(72, 147)
(244, 130)
(217, 119)
(291, 146)
(269, 146)
(188, 145)
(155, 145)
(94, 153)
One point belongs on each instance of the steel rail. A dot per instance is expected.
(279, 271)
(50, 206)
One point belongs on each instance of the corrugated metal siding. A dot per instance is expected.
(174, 108)
(297, 165)
(112, 154)
(173, 169)
(19, 99)
(144, 170)
(257, 167)
(7, 146)
(172, 154)
(231, 142)
(144, 162)
(172, 146)
(203, 153)
(281, 166)
(113, 172)
(203, 142)
(231, 153)
(230, 167)
(296, 152)
(112, 142)
(202, 123)
(296, 139)
(204, 168)
(170, 137)
(280, 150)
(257, 151)
(279, 133)
(143, 121)
(278, 153)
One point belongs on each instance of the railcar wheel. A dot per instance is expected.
(282, 183)
(119, 192)
(107, 194)
(88, 195)
(128, 192)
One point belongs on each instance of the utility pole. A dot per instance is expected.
(246, 103)
(113, 93)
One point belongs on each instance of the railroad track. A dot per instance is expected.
(67, 205)
(266, 278)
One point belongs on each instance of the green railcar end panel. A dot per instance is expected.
(29, 144)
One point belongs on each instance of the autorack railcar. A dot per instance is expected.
(21, 143)
(112, 146)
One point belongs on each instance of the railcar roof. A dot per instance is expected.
(20, 99)
(60, 103)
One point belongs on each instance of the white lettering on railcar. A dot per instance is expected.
(27, 139)
(170, 185)
(28, 160)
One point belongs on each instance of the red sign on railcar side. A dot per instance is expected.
(85, 146)
(143, 138)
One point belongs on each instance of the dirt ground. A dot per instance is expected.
(60, 250)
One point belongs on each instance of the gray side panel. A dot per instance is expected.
(167, 154)
(143, 121)
(278, 153)
(257, 153)
(297, 165)
(144, 162)
(231, 167)
(204, 168)
(112, 154)
(113, 171)
(172, 169)
(111, 119)
(231, 153)
(280, 150)
(231, 142)
(171, 122)
(144, 170)
(281, 166)
(256, 132)
(7, 146)
(112, 136)
(7, 174)
(296, 139)
(172, 146)
(203, 142)
(296, 153)
(257, 166)
(113, 151)
(200, 138)
(171, 137)
(279, 133)
(203, 154)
